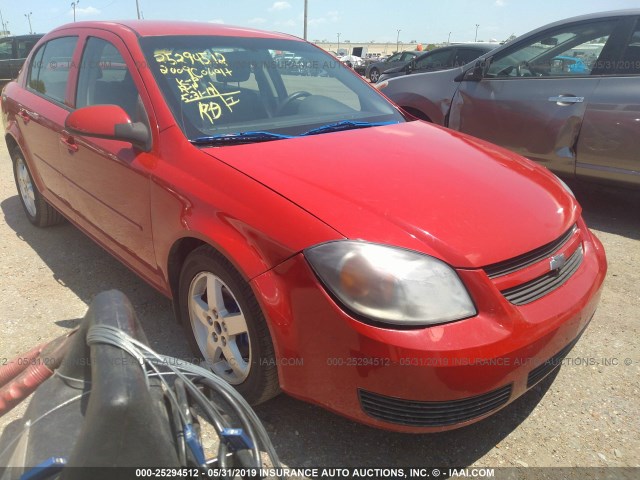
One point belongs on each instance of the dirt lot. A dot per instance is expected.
(587, 415)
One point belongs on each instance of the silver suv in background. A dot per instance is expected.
(580, 118)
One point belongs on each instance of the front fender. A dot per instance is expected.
(254, 227)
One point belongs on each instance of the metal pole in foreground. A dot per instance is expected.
(138, 9)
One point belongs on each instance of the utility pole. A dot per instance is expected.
(338, 52)
(28, 15)
(73, 5)
(138, 9)
(477, 25)
(398, 41)
(449, 39)
(306, 7)
(4, 27)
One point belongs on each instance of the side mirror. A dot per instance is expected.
(474, 74)
(110, 122)
(411, 66)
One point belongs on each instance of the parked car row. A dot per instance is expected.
(428, 285)
(564, 95)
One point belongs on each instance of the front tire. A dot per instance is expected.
(225, 325)
(38, 211)
(374, 75)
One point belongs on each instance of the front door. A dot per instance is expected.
(608, 145)
(108, 180)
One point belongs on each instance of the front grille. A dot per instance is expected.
(547, 367)
(541, 286)
(517, 263)
(432, 414)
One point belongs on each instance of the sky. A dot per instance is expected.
(423, 21)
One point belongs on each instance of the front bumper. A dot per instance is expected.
(428, 379)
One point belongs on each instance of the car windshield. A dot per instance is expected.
(253, 87)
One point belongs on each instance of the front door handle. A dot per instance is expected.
(70, 143)
(26, 118)
(566, 99)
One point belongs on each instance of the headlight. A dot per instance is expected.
(391, 285)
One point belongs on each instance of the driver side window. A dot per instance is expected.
(105, 79)
(572, 50)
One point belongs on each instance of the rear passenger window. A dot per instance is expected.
(49, 70)
(466, 55)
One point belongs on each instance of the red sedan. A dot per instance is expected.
(313, 238)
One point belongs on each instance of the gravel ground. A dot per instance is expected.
(585, 416)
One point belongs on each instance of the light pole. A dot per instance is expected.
(73, 5)
(338, 52)
(477, 25)
(449, 39)
(28, 15)
(138, 9)
(4, 27)
(306, 6)
(398, 41)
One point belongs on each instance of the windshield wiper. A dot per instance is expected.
(259, 136)
(344, 125)
(238, 138)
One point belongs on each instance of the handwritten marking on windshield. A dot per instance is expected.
(188, 69)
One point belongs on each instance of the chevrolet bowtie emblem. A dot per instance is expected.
(557, 262)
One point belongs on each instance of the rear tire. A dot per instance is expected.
(225, 325)
(38, 211)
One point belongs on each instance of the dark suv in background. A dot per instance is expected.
(13, 53)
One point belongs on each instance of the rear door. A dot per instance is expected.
(528, 102)
(42, 109)
(608, 145)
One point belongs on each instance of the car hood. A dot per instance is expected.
(417, 186)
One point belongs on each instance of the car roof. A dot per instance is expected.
(151, 28)
(591, 16)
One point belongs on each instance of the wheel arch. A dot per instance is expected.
(182, 248)
(11, 142)
(417, 113)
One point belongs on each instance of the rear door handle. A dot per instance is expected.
(70, 143)
(566, 99)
